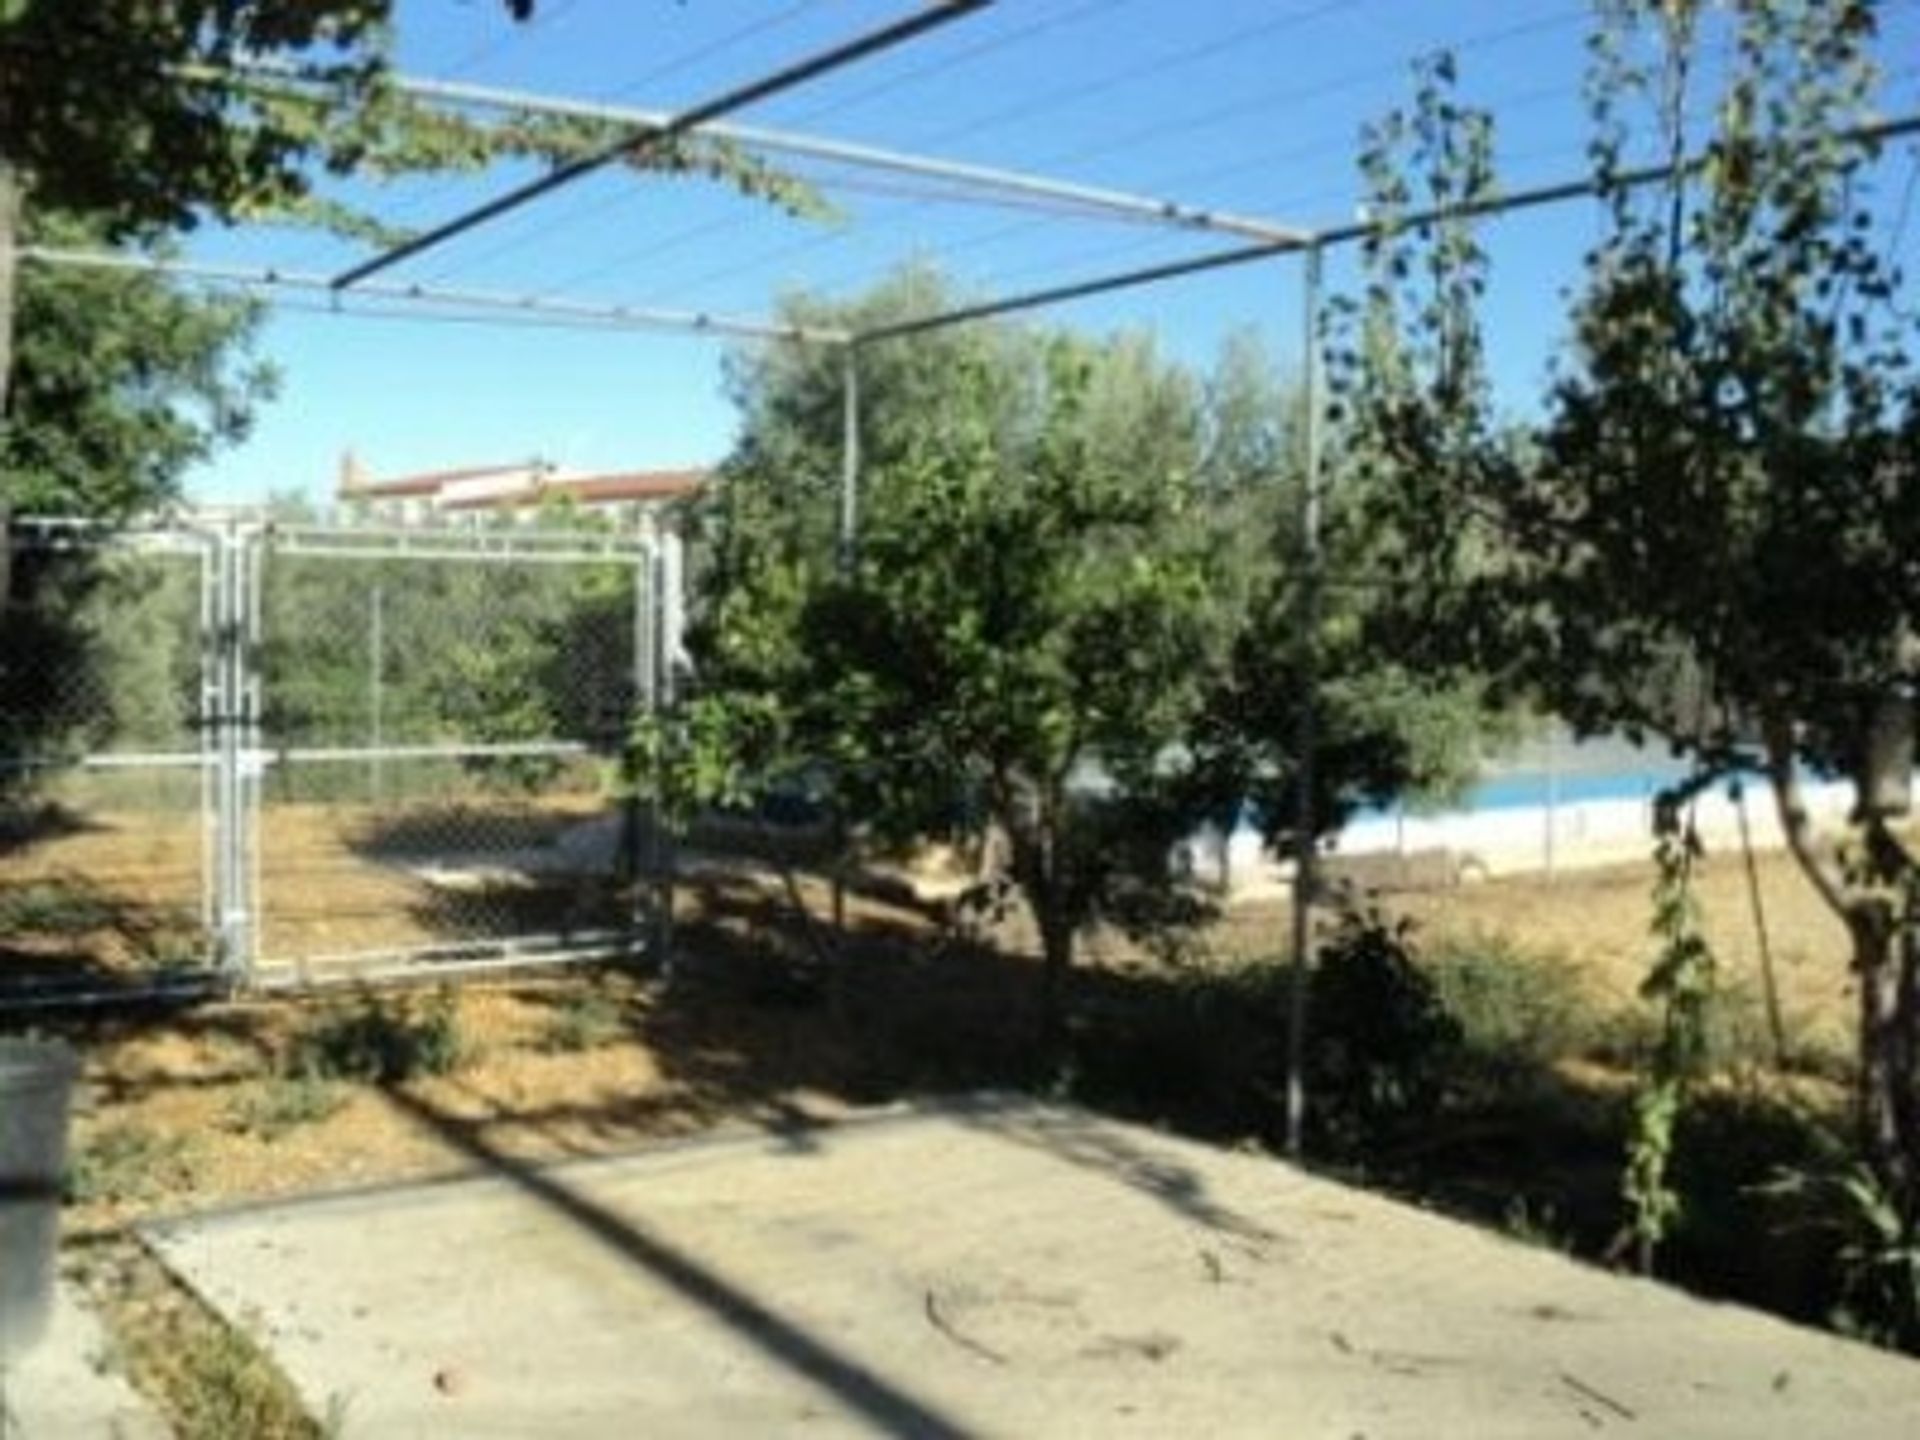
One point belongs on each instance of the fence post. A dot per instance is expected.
(232, 755)
(1552, 806)
(1307, 737)
(376, 688)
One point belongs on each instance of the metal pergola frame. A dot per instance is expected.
(1264, 239)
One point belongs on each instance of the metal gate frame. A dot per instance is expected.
(233, 756)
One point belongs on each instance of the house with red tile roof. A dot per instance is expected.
(518, 488)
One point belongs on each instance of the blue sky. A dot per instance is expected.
(1249, 105)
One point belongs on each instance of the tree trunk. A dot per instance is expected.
(1878, 1102)
(1885, 935)
(1056, 967)
(9, 264)
(1030, 814)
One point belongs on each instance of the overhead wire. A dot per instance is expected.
(942, 64)
(893, 216)
(1157, 67)
(504, 40)
(585, 207)
(709, 49)
(985, 47)
(1238, 109)
(958, 59)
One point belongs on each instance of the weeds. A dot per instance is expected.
(207, 1378)
(56, 907)
(281, 1104)
(383, 1044)
(126, 1162)
(1515, 1008)
(582, 1021)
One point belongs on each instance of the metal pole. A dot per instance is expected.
(634, 818)
(376, 687)
(661, 661)
(849, 455)
(644, 140)
(253, 546)
(1069, 197)
(436, 301)
(1553, 795)
(210, 712)
(849, 522)
(1504, 204)
(1307, 736)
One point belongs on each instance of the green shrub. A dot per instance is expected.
(283, 1103)
(1207, 1051)
(1382, 1041)
(582, 1021)
(125, 1162)
(383, 1044)
(1516, 1009)
(56, 907)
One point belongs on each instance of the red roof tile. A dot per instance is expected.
(430, 482)
(593, 489)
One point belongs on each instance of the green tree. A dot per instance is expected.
(122, 383)
(1044, 631)
(1026, 624)
(149, 118)
(1711, 536)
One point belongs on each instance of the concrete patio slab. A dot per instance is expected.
(997, 1267)
(64, 1390)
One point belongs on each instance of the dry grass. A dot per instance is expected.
(597, 1063)
(208, 1380)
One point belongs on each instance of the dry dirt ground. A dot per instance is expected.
(740, 1035)
(189, 1110)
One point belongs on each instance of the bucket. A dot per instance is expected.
(36, 1089)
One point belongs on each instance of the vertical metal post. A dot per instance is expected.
(638, 821)
(659, 697)
(376, 688)
(1553, 799)
(1307, 735)
(849, 455)
(253, 740)
(210, 712)
(849, 530)
(233, 753)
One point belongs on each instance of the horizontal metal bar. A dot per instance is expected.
(436, 553)
(268, 756)
(1872, 133)
(642, 139)
(476, 955)
(107, 760)
(431, 299)
(1080, 290)
(1073, 197)
(202, 984)
(46, 532)
(533, 546)
(348, 754)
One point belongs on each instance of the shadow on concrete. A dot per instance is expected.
(1080, 1140)
(879, 1401)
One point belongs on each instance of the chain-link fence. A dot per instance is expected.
(278, 754)
(106, 806)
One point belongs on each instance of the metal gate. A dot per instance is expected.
(257, 754)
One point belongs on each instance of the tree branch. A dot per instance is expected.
(1794, 821)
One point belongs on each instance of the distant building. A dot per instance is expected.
(445, 496)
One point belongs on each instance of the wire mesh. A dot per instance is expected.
(105, 806)
(441, 741)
